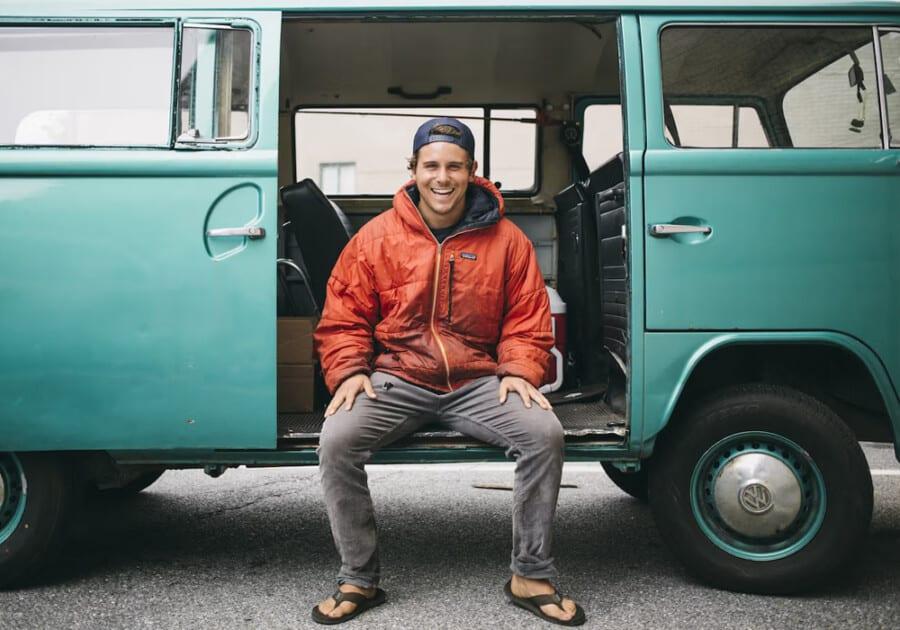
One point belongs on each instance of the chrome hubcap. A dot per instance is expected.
(758, 495)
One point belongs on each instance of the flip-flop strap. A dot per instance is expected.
(543, 600)
(354, 598)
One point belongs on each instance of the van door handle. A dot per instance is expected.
(665, 229)
(252, 232)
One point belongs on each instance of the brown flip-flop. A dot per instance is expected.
(533, 604)
(362, 602)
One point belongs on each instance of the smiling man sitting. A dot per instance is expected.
(437, 312)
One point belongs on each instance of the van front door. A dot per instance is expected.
(138, 208)
(771, 193)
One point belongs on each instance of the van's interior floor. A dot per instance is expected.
(582, 421)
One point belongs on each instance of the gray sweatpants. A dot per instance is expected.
(533, 436)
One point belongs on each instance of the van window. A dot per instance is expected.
(214, 94)
(77, 85)
(778, 86)
(602, 137)
(836, 106)
(890, 59)
(376, 142)
(718, 126)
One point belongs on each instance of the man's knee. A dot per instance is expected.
(338, 439)
(546, 433)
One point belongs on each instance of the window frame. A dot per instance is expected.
(179, 142)
(580, 109)
(886, 132)
(172, 23)
(874, 26)
(484, 164)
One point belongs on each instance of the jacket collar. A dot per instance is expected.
(484, 206)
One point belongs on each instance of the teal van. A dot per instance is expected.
(712, 191)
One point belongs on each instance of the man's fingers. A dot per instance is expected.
(503, 391)
(370, 391)
(335, 403)
(538, 397)
(523, 392)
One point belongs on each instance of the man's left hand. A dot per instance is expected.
(524, 389)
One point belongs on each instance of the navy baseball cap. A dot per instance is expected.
(424, 136)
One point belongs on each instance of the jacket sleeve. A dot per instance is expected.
(525, 334)
(344, 338)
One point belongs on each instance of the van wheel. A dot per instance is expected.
(634, 484)
(143, 481)
(35, 497)
(761, 489)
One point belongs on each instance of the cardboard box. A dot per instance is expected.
(296, 388)
(295, 344)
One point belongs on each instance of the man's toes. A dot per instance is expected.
(554, 611)
(344, 609)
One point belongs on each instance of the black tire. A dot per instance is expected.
(37, 506)
(829, 468)
(143, 481)
(634, 484)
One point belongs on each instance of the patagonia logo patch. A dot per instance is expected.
(468, 256)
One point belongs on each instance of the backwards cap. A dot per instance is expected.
(425, 136)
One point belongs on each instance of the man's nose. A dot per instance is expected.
(443, 174)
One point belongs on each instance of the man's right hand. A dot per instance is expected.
(348, 391)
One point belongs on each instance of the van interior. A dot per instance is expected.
(523, 80)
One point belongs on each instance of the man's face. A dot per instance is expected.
(442, 179)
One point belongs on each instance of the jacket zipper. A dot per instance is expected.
(450, 292)
(434, 295)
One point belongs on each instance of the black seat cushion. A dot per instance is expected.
(321, 230)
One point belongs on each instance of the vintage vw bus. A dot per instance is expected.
(714, 193)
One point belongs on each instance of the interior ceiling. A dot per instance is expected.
(354, 63)
(741, 61)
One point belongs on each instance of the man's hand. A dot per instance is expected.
(526, 390)
(348, 391)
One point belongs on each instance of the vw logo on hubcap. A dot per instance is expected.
(756, 498)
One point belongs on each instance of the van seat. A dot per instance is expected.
(321, 230)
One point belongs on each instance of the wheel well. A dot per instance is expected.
(833, 375)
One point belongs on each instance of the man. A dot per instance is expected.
(437, 311)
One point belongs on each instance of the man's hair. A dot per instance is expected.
(440, 130)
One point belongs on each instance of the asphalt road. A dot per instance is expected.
(253, 549)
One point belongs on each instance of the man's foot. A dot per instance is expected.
(525, 587)
(329, 609)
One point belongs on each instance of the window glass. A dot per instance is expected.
(513, 148)
(378, 142)
(836, 106)
(890, 59)
(716, 126)
(214, 98)
(338, 179)
(602, 137)
(74, 85)
(804, 69)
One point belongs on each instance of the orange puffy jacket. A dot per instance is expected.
(437, 315)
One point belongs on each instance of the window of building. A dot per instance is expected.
(214, 93)
(77, 85)
(779, 86)
(337, 178)
(378, 142)
(602, 137)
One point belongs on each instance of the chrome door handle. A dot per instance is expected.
(665, 229)
(252, 232)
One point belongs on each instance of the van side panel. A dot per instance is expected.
(125, 326)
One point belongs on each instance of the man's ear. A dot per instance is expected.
(473, 171)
